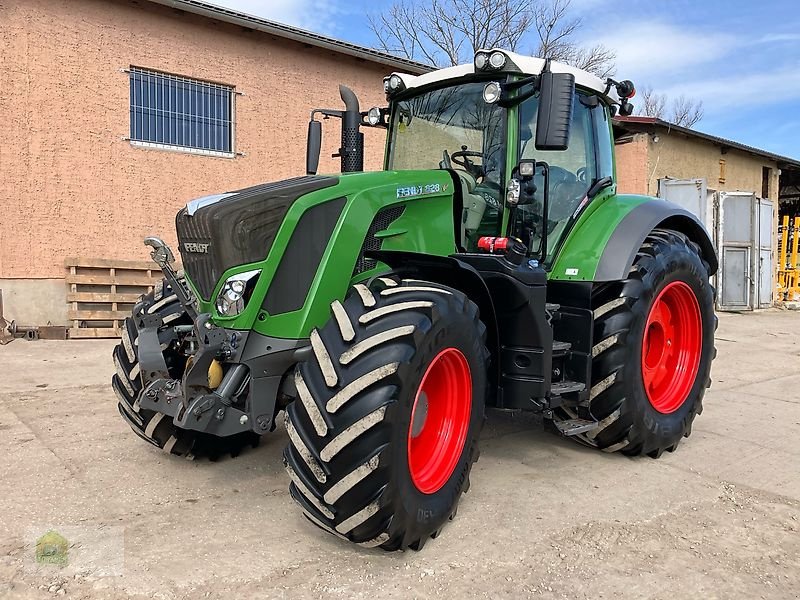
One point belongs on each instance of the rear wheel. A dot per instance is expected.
(154, 427)
(385, 429)
(653, 347)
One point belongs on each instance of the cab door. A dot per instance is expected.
(571, 172)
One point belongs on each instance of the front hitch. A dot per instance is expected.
(163, 257)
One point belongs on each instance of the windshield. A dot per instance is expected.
(453, 128)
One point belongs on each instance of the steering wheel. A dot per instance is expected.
(462, 159)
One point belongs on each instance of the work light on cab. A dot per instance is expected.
(393, 84)
(497, 60)
(492, 92)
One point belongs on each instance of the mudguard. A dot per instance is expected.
(455, 273)
(603, 244)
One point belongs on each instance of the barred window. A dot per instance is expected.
(173, 112)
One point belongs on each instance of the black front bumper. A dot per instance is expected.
(256, 366)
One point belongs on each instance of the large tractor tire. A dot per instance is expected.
(653, 347)
(154, 427)
(385, 429)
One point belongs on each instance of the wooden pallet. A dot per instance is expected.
(102, 292)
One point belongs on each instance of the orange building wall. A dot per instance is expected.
(70, 185)
(632, 165)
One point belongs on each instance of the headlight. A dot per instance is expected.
(491, 92)
(481, 58)
(497, 60)
(235, 293)
(374, 116)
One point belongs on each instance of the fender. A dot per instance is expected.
(603, 244)
(457, 274)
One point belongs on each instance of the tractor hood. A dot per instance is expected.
(222, 231)
(298, 244)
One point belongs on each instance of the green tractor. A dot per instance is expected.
(490, 264)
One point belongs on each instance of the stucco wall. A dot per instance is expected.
(677, 156)
(631, 164)
(70, 185)
(642, 161)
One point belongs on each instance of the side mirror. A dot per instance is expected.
(313, 146)
(556, 95)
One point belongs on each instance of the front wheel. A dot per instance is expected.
(653, 347)
(385, 429)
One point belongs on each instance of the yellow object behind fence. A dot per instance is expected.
(788, 273)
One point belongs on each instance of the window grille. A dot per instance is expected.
(175, 112)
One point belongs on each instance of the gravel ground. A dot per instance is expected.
(719, 518)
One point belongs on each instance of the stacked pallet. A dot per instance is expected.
(102, 292)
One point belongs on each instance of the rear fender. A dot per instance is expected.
(620, 252)
(603, 245)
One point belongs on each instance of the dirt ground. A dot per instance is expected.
(720, 518)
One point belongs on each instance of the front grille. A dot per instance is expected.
(199, 267)
(382, 221)
(238, 229)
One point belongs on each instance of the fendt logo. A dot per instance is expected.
(196, 247)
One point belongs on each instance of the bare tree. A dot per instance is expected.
(448, 32)
(682, 111)
(556, 30)
(686, 112)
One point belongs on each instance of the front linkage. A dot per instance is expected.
(201, 398)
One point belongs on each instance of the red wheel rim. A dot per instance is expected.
(439, 420)
(671, 347)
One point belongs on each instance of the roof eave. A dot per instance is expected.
(630, 123)
(293, 33)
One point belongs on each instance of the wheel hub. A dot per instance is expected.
(439, 421)
(420, 414)
(671, 347)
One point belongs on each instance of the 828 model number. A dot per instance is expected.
(419, 190)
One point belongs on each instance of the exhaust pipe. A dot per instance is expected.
(351, 151)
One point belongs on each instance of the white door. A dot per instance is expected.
(735, 236)
(764, 235)
(691, 194)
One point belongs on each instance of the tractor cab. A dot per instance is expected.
(529, 142)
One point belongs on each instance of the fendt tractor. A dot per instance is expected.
(492, 263)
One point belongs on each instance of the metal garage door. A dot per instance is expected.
(735, 233)
(691, 194)
(766, 220)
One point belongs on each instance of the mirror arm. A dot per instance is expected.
(506, 102)
(515, 85)
(327, 113)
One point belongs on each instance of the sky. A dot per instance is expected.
(740, 57)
